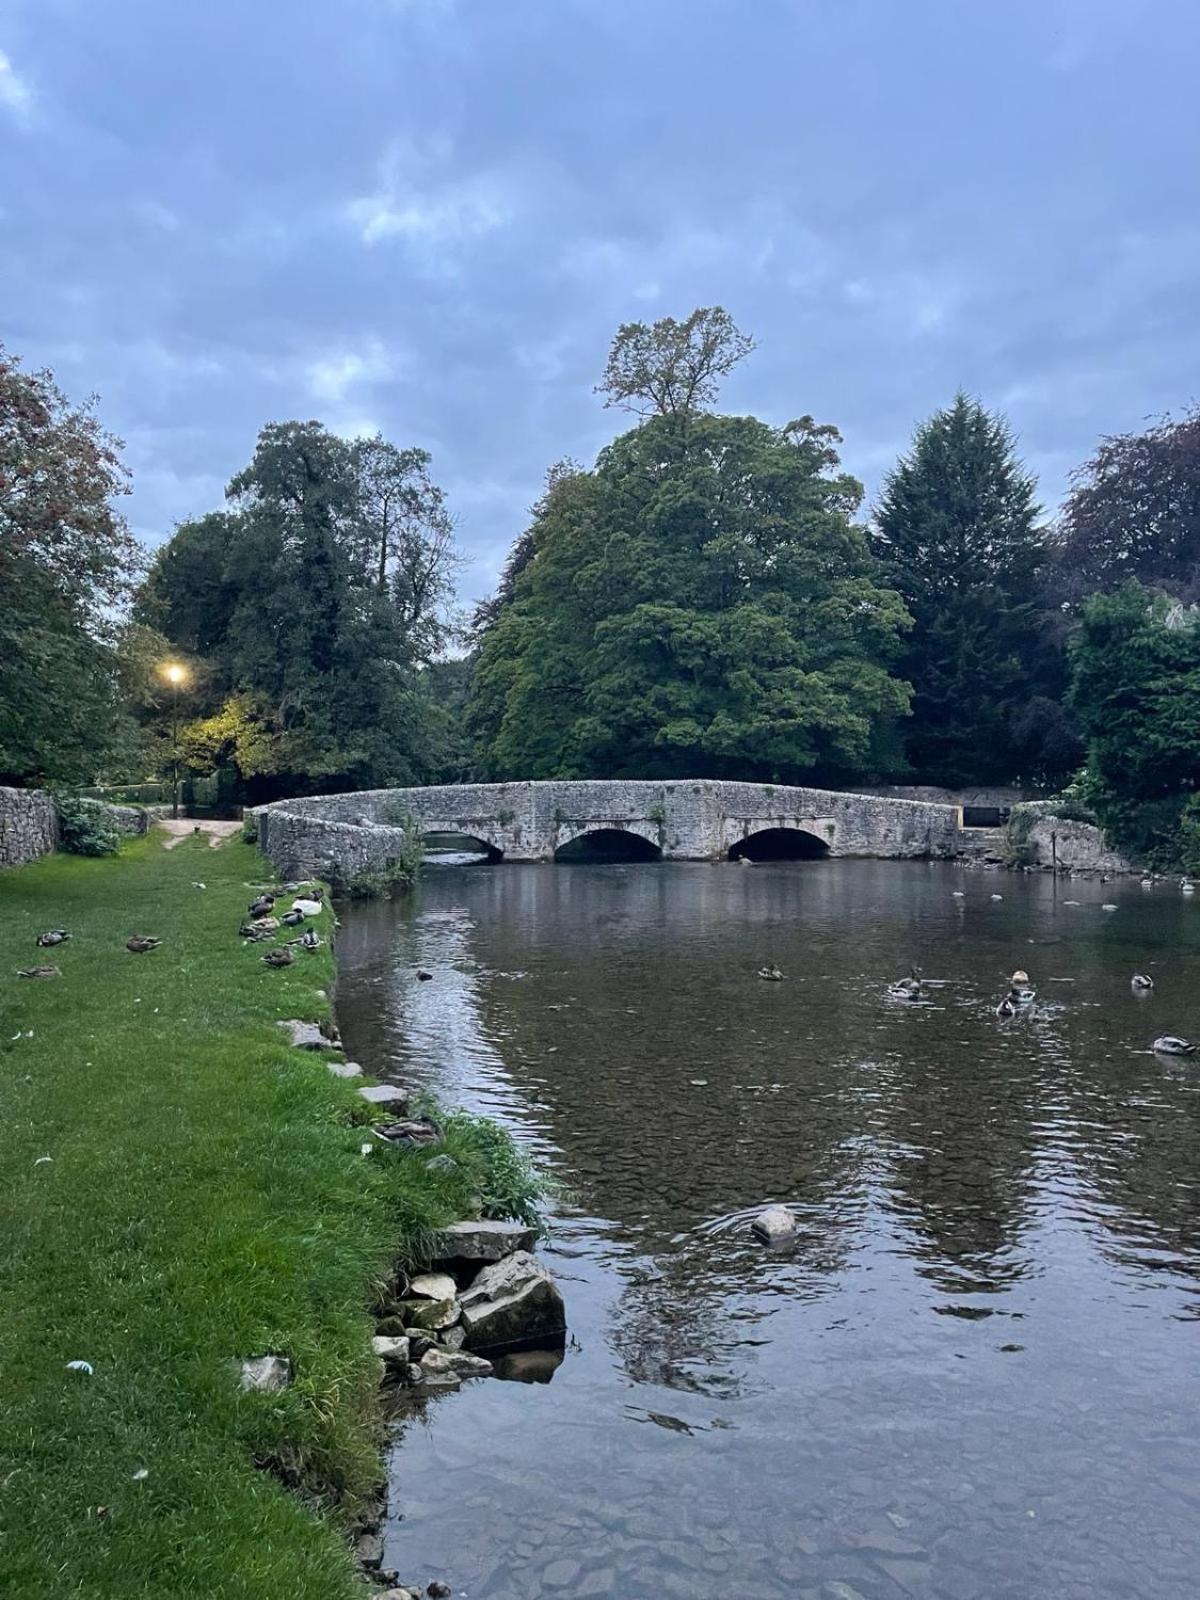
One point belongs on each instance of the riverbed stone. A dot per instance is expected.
(385, 1097)
(267, 1374)
(392, 1349)
(345, 1069)
(774, 1225)
(483, 1240)
(511, 1301)
(433, 1286)
(456, 1361)
(429, 1314)
(453, 1338)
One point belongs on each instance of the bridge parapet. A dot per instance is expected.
(687, 820)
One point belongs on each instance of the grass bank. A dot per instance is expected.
(206, 1200)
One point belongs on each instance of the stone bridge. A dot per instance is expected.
(337, 836)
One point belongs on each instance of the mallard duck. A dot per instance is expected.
(292, 918)
(423, 976)
(1142, 981)
(1007, 1007)
(39, 972)
(1170, 1044)
(1020, 991)
(263, 925)
(277, 958)
(906, 988)
(47, 941)
(139, 943)
(312, 939)
(771, 974)
(262, 906)
(415, 1131)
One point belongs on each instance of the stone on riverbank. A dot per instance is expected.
(456, 1361)
(308, 1036)
(775, 1225)
(345, 1069)
(392, 1351)
(433, 1286)
(481, 1241)
(511, 1301)
(429, 1314)
(265, 1373)
(385, 1097)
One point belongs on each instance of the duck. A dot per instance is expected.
(1170, 1044)
(1147, 883)
(1021, 991)
(262, 906)
(423, 976)
(770, 974)
(277, 958)
(1142, 982)
(414, 1131)
(906, 988)
(39, 972)
(263, 926)
(1185, 887)
(312, 940)
(53, 936)
(292, 918)
(138, 944)
(256, 935)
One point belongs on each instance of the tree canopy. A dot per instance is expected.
(698, 604)
(956, 534)
(314, 601)
(670, 368)
(67, 562)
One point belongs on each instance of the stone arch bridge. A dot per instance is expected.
(337, 836)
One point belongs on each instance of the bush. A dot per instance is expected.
(398, 873)
(249, 828)
(1189, 836)
(85, 828)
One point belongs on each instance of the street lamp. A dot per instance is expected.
(175, 674)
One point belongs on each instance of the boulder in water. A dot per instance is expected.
(510, 1302)
(774, 1225)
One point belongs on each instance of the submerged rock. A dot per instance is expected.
(456, 1361)
(512, 1301)
(775, 1225)
(482, 1241)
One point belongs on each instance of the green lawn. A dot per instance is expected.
(206, 1200)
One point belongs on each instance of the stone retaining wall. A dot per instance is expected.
(1074, 846)
(28, 826)
(337, 835)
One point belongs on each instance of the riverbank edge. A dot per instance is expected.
(277, 1233)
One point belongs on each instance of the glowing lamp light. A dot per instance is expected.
(174, 673)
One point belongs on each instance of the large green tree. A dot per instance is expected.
(314, 600)
(701, 603)
(956, 533)
(67, 562)
(1135, 687)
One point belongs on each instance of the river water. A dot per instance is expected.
(977, 1371)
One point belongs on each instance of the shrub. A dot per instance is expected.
(85, 828)
(250, 828)
(1189, 835)
(398, 873)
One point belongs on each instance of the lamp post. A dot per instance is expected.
(175, 674)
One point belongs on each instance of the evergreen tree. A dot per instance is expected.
(956, 534)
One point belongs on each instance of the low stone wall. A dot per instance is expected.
(1074, 846)
(28, 826)
(338, 835)
(130, 820)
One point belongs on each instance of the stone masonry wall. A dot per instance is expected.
(28, 826)
(688, 821)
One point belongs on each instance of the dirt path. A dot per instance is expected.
(180, 828)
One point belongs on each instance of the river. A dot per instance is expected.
(975, 1375)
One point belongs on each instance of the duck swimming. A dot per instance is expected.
(771, 974)
(47, 941)
(1170, 1044)
(1142, 981)
(906, 988)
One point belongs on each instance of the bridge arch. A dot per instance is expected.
(780, 843)
(454, 840)
(603, 844)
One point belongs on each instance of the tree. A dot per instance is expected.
(67, 562)
(671, 368)
(1135, 688)
(956, 534)
(695, 606)
(314, 599)
(1134, 512)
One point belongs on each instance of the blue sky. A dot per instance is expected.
(429, 216)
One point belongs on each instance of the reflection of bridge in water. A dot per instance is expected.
(689, 820)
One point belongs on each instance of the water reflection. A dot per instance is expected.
(973, 1372)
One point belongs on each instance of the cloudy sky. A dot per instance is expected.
(429, 216)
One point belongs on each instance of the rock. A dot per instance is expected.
(266, 1373)
(481, 1241)
(308, 1036)
(419, 1340)
(413, 1372)
(429, 1314)
(442, 1163)
(774, 1225)
(457, 1361)
(433, 1286)
(531, 1366)
(385, 1097)
(511, 1301)
(345, 1069)
(453, 1338)
(438, 1590)
(392, 1350)
(368, 1547)
(436, 1379)
(560, 1574)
